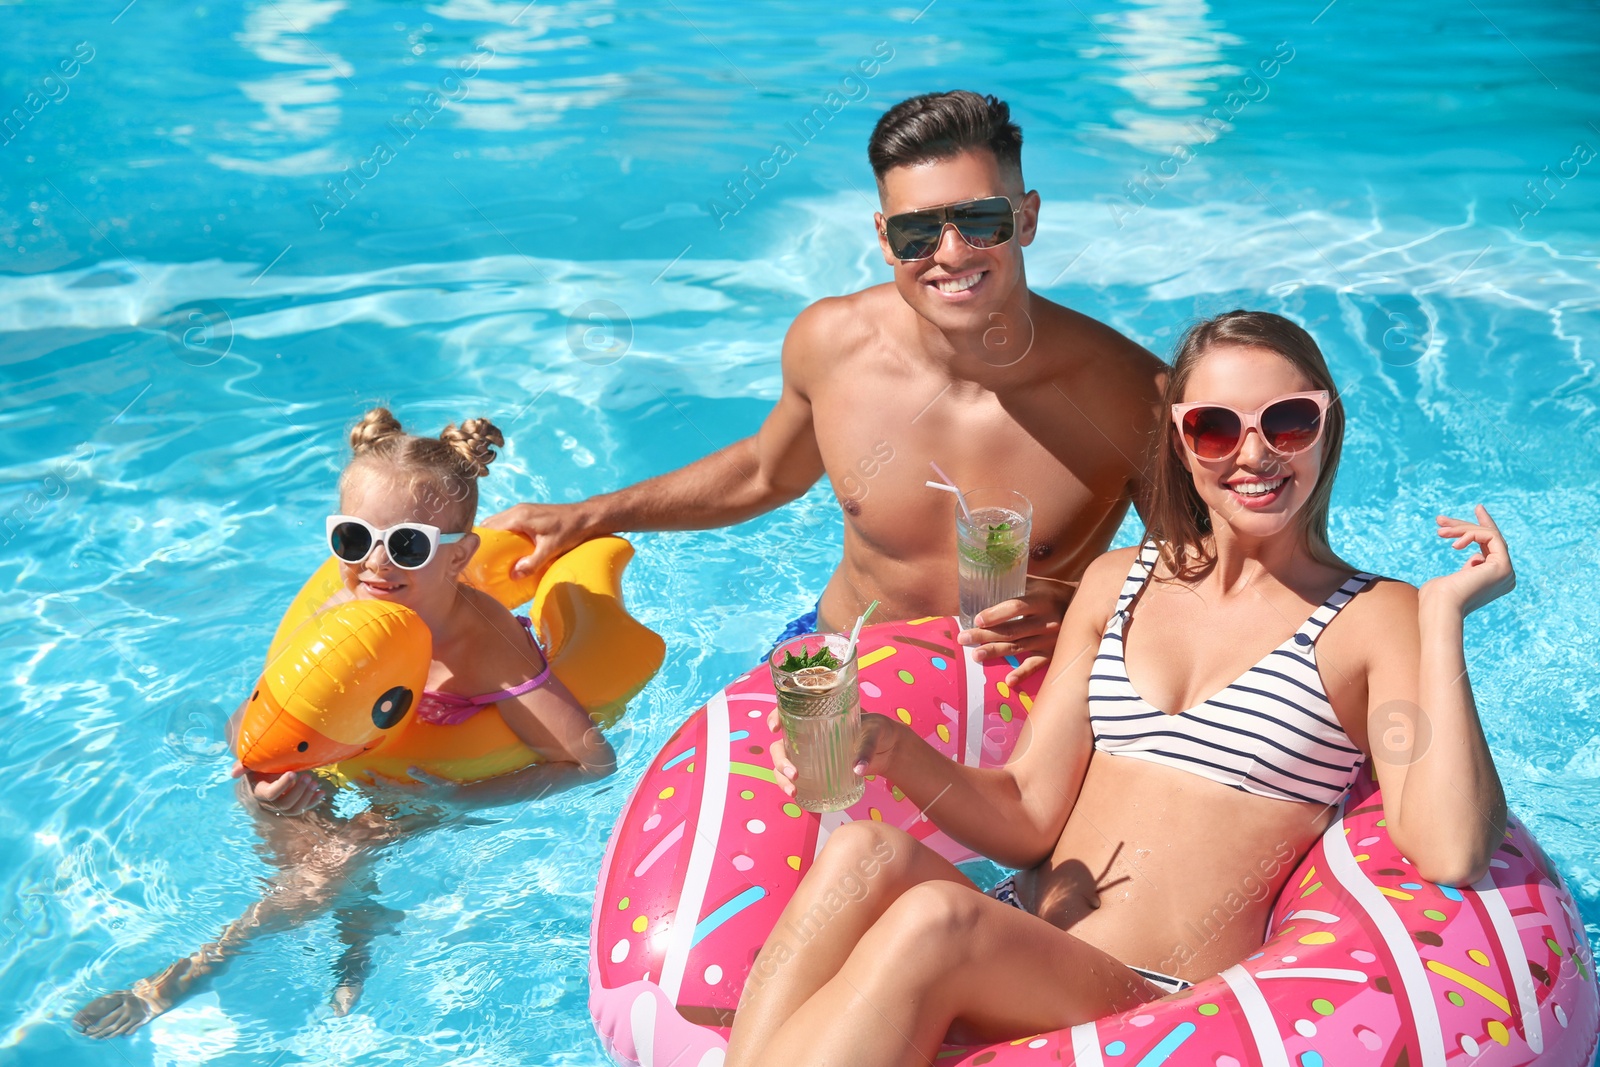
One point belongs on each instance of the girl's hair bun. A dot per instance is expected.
(375, 426)
(474, 441)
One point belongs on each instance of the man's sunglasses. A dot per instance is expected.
(410, 545)
(982, 223)
(1288, 425)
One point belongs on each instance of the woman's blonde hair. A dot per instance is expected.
(1179, 522)
(443, 470)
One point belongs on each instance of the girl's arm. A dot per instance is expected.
(1013, 814)
(529, 784)
(291, 793)
(550, 721)
(1443, 801)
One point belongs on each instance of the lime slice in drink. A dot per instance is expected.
(815, 678)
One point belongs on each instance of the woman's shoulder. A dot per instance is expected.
(1102, 580)
(1389, 597)
(1382, 613)
(1112, 566)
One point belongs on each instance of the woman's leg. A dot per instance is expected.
(945, 959)
(862, 870)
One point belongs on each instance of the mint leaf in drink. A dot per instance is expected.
(822, 657)
(1000, 550)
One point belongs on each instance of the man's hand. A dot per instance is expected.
(1025, 628)
(553, 529)
(290, 793)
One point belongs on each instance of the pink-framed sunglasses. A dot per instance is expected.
(1288, 425)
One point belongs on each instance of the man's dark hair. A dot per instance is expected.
(937, 126)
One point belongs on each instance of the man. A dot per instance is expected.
(956, 363)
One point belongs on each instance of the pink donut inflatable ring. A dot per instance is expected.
(1366, 962)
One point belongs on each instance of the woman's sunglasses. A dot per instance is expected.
(410, 545)
(1288, 425)
(982, 223)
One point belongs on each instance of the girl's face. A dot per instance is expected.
(1256, 492)
(384, 498)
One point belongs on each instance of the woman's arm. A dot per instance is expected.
(1013, 814)
(1443, 801)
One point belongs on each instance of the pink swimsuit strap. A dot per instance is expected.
(449, 709)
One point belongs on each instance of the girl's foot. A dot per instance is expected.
(345, 997)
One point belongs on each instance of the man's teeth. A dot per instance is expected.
(1256, 488)
(958, 285)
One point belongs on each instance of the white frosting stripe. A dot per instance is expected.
(1516, 957)
(975, 694)
(1086, 1046)
(713, 798)
(1327, 974)
(1263, 1027)
(1419, 993)
(642, 1025)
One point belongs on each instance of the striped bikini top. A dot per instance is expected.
(1271, 733)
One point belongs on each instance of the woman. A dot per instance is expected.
(1192, 740)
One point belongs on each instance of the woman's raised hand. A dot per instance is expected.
(877, 740)
(1486, 574)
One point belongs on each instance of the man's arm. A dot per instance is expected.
(745, 479)
(1154, 381)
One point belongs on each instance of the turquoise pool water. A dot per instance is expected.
(189, 317)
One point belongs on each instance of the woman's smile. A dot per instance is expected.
(1257, 492)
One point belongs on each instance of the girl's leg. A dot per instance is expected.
(315, 856)
(944, 959)
(358, 922)
(862, 870)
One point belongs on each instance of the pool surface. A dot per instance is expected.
(234, 227)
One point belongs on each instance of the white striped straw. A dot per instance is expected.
(949, 486)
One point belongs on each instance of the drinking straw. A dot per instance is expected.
(850, 649)
(949, 486)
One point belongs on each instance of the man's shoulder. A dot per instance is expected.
(1094, 347)
(832, 312)
(839, 323)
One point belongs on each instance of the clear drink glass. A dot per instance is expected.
(991, 549)
(821, 712)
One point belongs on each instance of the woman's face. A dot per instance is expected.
(384, 498)
(1256, 492)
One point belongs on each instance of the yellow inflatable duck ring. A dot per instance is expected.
(339, 683)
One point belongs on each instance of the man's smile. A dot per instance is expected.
(954, 285)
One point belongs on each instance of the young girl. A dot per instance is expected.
(402, 534)
(1213, 696)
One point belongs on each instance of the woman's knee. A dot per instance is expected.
(919, 939)
(931, 921)
(859, 852)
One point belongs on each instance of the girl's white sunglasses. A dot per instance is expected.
(410, 545)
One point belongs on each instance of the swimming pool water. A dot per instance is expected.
(190, 315)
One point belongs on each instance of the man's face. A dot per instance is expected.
(959, 287)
